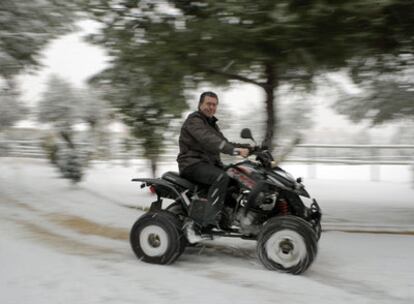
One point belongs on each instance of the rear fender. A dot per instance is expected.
(164, 189)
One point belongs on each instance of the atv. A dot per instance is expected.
(263, 203)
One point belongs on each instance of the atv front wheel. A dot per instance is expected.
(157, 237)
(318, 230)
(287, 244)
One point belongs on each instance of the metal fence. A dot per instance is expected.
(373, 155)
(310, 154)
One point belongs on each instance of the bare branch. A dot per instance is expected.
(233, 76)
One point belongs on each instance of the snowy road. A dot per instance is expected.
(65, 244)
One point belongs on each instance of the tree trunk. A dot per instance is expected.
(269, 87)
(67, 138)
(10, 84)
(154, 165)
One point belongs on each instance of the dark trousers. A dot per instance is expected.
(217, 180)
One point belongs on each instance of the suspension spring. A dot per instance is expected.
(283, 207)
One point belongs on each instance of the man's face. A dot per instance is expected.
(209, 106)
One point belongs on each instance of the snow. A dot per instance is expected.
(69, 244)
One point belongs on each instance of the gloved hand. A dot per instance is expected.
(265, 159)
(241, 151)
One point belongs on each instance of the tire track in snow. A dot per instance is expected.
(85, 226)
(214, 252)
(63, 243)
(36, 224)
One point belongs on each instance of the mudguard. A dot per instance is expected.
(165, 189)
(302, 192)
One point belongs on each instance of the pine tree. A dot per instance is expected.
(162, 49)
(25, 28)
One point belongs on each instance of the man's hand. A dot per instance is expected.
(242, 151)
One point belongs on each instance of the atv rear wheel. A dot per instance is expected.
(287, 244)
(157, 237)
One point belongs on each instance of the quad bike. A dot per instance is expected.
(262, 203)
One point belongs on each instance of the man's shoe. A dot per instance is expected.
(191, 231)
(224, 218)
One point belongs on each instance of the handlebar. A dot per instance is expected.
(255, 150)
(263, 155)
(261, 152)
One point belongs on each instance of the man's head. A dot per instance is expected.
(208, 103)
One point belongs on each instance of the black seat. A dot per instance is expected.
(175, 178)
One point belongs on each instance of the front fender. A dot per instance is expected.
(302, 192)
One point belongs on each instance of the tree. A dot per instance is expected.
(265, 43)
(11, 110)
(385, 97)
(146, 102)
(63, 107)
(25, 27)
(60, 107)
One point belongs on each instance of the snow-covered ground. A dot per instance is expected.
(69, 244)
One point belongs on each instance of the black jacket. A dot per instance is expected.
(201, 141)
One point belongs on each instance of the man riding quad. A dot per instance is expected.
(201, 143)
(251, 199)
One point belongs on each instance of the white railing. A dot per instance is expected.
(373, 155)
(310, 154)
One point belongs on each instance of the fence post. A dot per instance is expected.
(375, 167)
(311, 164)
(412, 174)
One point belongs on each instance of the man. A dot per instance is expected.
(201, 143)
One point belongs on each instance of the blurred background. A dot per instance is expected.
(317, 81)
(93, 93)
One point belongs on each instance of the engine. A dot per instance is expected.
(248, 222)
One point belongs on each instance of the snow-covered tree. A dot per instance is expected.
(11, 110)
(64, 107)
(96, 113)
(60, 107)
(25, 27)
(71, 163)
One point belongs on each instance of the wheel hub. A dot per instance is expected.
(286, 246)
(154, 240)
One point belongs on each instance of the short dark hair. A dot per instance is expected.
(209, 94)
